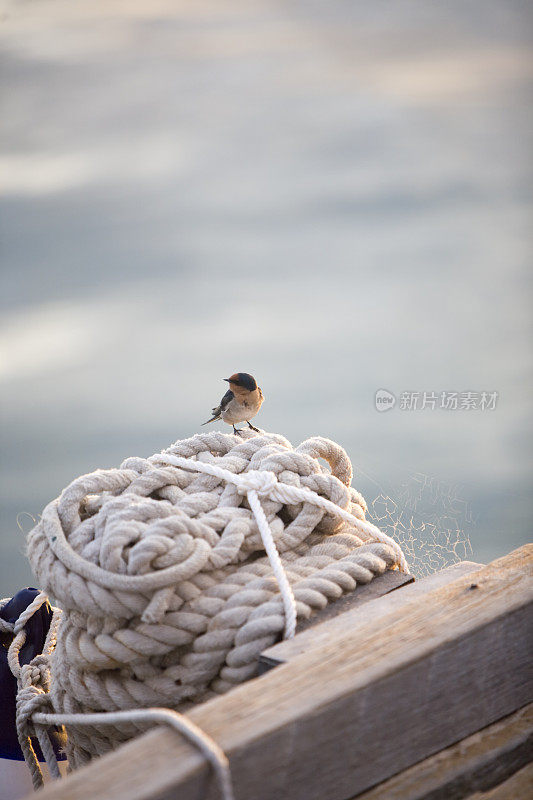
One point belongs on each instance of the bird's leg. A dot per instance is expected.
(253, 427)
(237, 431)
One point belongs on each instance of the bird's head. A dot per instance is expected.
(242, 380)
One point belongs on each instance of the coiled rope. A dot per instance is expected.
(167, 596)
(256, 484)
(33, 684)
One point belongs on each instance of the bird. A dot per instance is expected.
(241, 402)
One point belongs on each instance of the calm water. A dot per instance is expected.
(333, 196)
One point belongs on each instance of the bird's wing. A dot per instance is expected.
(217, 411)
(226, 400)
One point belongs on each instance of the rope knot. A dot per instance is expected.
(35, 674)
(261, 481)
(175, 572)
(31, 699)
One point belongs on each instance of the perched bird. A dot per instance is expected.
(241, 402)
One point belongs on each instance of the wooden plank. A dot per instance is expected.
(477, 763)
(355, 616)
(518, 787)
(335, 721)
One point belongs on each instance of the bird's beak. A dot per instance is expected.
(226, 379)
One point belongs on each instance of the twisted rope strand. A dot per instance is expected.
(266, 484)
(30, 698)
(32, 685)
(175, 572)
(210, 749)
(289, 603)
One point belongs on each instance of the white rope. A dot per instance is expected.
(165, 599)
(263, 483)
(289, 603)
(29, 697)
(210, 749)
(19, 637)
(32, 683)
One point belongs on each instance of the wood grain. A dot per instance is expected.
(342, 718)
(518, 787)
(477, 763)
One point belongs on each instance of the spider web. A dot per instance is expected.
(428, 519)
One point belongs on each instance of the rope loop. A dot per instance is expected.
(176, 571)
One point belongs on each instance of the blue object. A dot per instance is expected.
(36, 631)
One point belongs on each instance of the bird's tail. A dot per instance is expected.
(211, 420)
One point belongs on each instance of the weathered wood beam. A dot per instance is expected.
(341, 718)
(518, 787)
(347, 613)
(477, 763)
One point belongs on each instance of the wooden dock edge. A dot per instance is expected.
(478, 763)
(340, 719)
(518, 787)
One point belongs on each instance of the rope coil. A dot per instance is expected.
(34, 716)
(161, 570)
